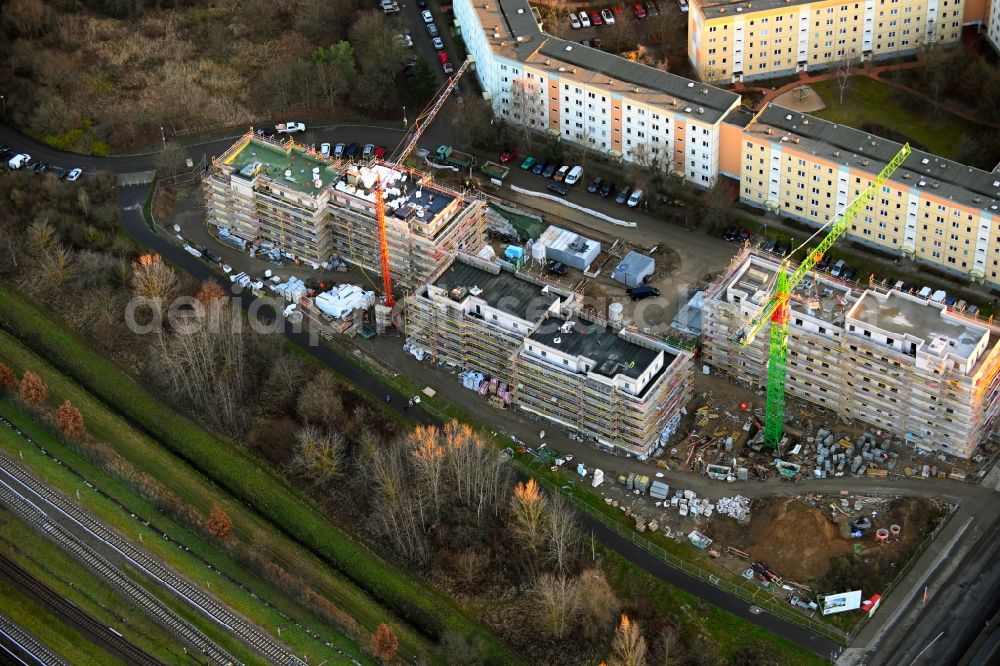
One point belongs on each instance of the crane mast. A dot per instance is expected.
(419, 124)
(776, 308)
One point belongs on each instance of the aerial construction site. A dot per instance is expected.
(768, 366)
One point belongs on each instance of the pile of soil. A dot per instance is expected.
(792, 537)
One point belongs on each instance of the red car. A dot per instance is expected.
(507, 155)
(443, 57)
(618, 10)
(595, 18)
(380, 152)
(640, 11)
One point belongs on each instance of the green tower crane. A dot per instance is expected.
(775, 308)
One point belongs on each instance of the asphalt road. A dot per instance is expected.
(956, 615)
(131, 198)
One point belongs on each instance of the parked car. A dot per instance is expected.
(608, 16)
(838, 268)
(540, 167)
(405, 40)
(781, 249)
(73, 174)
(595, 185)
(560, 175)
(595, 18)
(324, 149)
(644, 291)
(368, 151)
(42, 167)
(596, 43)
(623, 195)
(972, 310)
(635, 199)
(558, 188)
(607, 189)
(555, 267)
(550, 170)
(380, 152)
(507, 155)
(338, 150)
(19, 160)
(732, 233)
(618, 10)
(432, 30)
(652, 9)
(950, 301)
(769, 245)
(5, 151)
(437, 43)
(639, 10)
(745, 235)
(528, 162)
(574, 175)
(289, 128)
(352, 150)
(825, 262)
(447, 68)
(849, 273)
(428, 17)
(683, 5)
(574, 21)
(584, 19)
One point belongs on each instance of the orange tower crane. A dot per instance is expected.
(403, 151)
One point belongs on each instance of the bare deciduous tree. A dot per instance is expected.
(562, 538)
(153, 279)
(429, 463)
(599, 606)
(40, 237)
(57, 265)
(399, 503)
(320, 402)
(319, 456)
(845, 67)
(558, 599)
(628, 647)
(528, 508)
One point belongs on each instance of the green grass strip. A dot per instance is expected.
(243, 477)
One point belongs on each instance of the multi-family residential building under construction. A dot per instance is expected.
(905, 365)
(598, 378)
(311, 208)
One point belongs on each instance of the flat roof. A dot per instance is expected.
(520, 37)
(851, 147)
(611, 353)
(502, 291)
(274, 161)
(929, 321)
(827, 299)
(717, 8)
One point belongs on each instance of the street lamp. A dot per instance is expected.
(164, 137)
(3, 100)
(405, 124)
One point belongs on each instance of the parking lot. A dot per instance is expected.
(24, 162)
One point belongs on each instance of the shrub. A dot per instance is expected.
(69, 420)
(33, 389)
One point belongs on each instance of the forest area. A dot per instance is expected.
(95, 76)
(439, 502)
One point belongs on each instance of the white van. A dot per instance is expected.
(634, 200)
(574, 175)
(925, 292)
(838, 268)
(19, 160)
(939, 296)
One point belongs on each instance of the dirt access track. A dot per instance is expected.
(798, 540)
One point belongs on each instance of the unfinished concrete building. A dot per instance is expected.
(897, 362)
(613, 386)
(310, 208)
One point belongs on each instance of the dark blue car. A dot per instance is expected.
(539, 167)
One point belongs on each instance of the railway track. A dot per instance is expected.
(243, 630)
(39, 652)
(144, 599)
(74, 615)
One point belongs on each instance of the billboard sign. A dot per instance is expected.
(839, 603)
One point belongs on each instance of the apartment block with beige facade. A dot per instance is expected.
(933, 211)
(608, 383)
(586, 96)
(311, 208)
(732, 41)
(894, 361)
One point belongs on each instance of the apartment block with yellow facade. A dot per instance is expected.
(732, 41)
(933, 210)
(586, 96)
